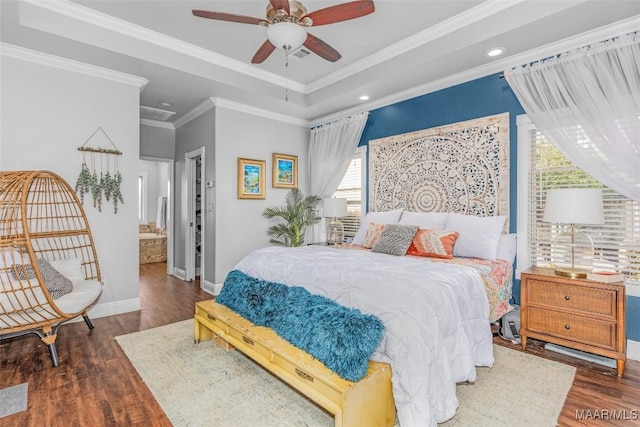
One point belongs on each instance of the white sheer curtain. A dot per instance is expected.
(331, 148)
(587, 102)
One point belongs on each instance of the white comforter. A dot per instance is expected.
(435, 316)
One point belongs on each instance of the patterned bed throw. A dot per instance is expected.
(497, 278)
(342, 338)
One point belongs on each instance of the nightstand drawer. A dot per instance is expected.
(575, 328)
(567, 296)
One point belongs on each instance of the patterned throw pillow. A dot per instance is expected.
(433, 243)
(56, 283)
(373, 235)
(23, 272)
(395, 239)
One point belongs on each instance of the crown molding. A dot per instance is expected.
(249, 109)
(599, 34)
(209, 103)
(95, 18)
(440, 30)
(199, 110)
(157, 124)
(17, 52)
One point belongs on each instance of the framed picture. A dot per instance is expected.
(285, 171)
(251, 178)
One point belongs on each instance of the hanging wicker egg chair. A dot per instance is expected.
(49, 270)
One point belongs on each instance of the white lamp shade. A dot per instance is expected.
(334, 208)
(574, 206)
(286, 35)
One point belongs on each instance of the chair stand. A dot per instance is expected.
(87, 321)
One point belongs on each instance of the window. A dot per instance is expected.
(143, 179)
(351, 189)
(542, 167)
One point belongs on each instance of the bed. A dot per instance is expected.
(436, 311)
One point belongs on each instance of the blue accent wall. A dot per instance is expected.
(483, 97)
(478, 98)
(633, 318)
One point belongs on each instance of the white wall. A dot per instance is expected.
(235, 227)
(197, 133)
(48, 108)
(159, 142)
(240, 226)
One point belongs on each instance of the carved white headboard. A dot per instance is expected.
(462, 167)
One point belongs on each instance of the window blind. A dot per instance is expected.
(616, 243)
(350, 188)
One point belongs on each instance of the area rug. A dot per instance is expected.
(203, 385)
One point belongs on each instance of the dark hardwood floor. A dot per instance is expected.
(95, 384)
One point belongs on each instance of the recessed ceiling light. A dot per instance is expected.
(495, 51)
(364, 97)
(165, 103)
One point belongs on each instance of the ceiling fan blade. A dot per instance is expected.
(320, 48)
(263, 52)
(280, 4)
(223, 16)
(341, 12)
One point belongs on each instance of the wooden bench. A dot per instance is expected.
(366, 403)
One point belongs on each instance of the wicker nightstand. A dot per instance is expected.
(576, 313)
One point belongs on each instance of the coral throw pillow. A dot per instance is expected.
(373, 235)
(433, 243)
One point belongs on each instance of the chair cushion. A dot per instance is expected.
(85, 293)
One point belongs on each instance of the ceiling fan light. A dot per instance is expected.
(286, 35)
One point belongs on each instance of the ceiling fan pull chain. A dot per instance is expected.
(286, 75)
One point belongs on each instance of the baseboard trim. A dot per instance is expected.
(179, 273)
(633, 353)
(589, 357)
(112, 308)
(218, 288)
(212, 288)
(633, 350)
(116, 307)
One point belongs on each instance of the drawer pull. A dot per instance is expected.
(210, 317)
(247, 340)
(567, 297)
(567, 327)
(304, 375)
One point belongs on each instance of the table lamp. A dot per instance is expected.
(334, 208)
(575, 206)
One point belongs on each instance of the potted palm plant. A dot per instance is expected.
(298, 213)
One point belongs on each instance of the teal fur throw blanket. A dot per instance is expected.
(342, 338)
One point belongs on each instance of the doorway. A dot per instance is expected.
(194, 226)
(159, 174)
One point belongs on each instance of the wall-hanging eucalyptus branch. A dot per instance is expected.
(106, 185)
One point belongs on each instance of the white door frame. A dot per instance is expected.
(170, 203)
(189, 201)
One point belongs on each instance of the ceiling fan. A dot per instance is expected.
(286, 23)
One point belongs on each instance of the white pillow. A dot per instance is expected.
(436, 220)
(388, 217)
(70, 268)
(507, 247)
(477, 236)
